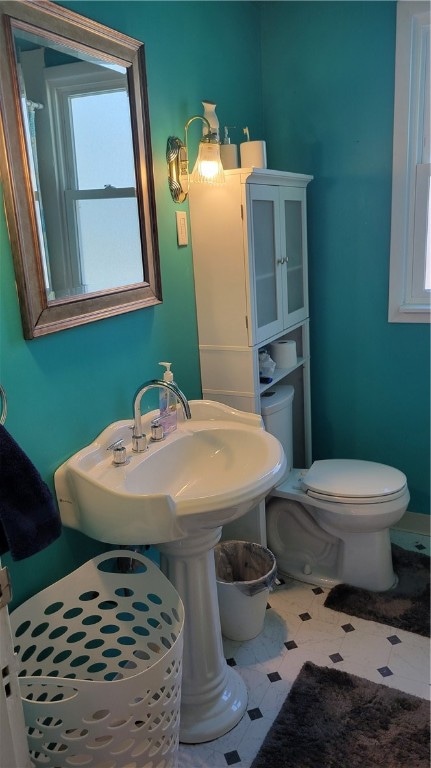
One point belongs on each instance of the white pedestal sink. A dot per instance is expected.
(178, 494)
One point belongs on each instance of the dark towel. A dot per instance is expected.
(29, 519)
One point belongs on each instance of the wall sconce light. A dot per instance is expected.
(208, 167)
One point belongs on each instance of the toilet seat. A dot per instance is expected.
(353, 480)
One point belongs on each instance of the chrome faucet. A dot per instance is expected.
(139, 439)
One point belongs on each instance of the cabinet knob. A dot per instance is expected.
(281, 261)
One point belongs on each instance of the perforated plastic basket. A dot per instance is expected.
(101, 661)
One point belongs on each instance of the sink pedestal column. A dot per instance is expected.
(213, 695)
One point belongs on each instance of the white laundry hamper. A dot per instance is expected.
(101, 661)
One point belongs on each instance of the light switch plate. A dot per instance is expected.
(182, 230)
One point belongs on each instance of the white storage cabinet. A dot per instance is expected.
(249, 240)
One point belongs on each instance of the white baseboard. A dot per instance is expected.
(415, 523)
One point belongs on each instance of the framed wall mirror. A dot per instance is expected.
(76, 165)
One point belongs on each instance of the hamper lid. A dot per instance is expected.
(353, 478)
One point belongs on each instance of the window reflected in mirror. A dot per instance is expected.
(79, 140)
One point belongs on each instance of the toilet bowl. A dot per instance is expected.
(330, 524)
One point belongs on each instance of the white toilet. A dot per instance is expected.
(330, 524)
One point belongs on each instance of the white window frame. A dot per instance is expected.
(409, 301)
(61, 83)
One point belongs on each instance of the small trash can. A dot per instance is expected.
(245, 572)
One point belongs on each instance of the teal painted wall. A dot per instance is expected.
(328, 75)
(63, 389)
(327, 70)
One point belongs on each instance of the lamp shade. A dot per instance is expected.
(208, 167)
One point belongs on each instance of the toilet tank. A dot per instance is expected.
(276, 408)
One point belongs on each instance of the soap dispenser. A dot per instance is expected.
(168, 403)
(228, 151)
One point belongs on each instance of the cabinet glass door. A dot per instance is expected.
(294, 245)
(265, 252)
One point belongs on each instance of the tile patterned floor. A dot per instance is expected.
(297, 629)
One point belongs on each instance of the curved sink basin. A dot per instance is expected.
(212, 469)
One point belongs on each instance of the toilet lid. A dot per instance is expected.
(353, 478)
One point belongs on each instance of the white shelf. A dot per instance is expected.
(281, 373)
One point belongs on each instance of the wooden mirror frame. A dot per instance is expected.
(40, 316)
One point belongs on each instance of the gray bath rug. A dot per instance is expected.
(335, 720)
(407, 606)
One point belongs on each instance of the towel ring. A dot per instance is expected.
(3, 405)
